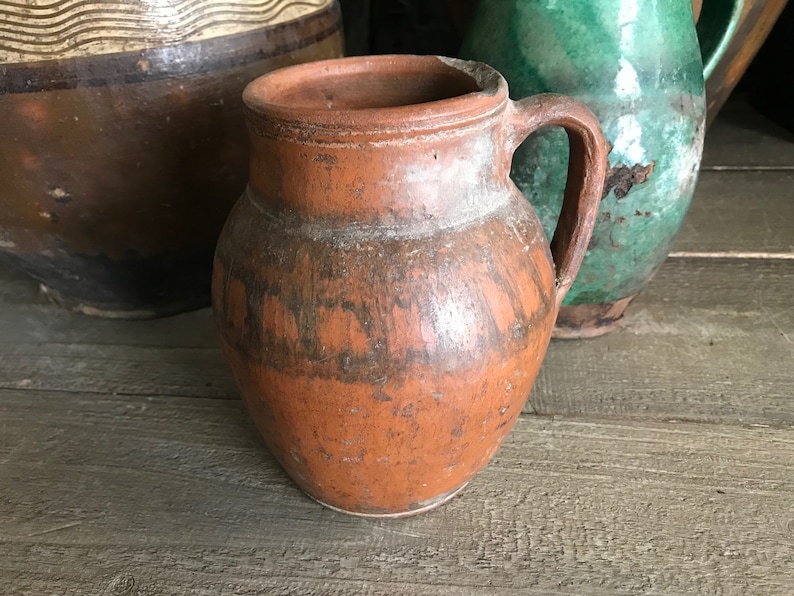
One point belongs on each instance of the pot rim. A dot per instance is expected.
(272, 107)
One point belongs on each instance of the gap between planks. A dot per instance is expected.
(738, 254)
(780, 168)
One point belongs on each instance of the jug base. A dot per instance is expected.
(132, 314)
(581, 321)
(421, 508)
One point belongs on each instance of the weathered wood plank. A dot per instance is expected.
(112, 495)
(742, 138)
(709, 340)
(123, 369)
(740, 212)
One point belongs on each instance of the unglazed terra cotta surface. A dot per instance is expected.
(383, 292)
(122, 141)
(638, 67)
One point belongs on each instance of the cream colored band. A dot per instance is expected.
(32, 30)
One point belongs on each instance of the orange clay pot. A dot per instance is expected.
(384, 293)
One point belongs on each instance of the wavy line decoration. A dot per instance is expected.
(37, 30)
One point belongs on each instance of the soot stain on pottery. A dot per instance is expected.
(329, 160)
(350, 364)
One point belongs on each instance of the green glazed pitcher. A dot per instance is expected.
(639, 66)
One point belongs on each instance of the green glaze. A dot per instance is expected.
(638, 66)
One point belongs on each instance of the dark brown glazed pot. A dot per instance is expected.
(122, 140)
(384, 293)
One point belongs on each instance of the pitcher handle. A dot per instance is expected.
(715, 28)
(586, 171)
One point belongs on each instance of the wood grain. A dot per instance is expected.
(124, 369)
(708, 340)
(702, 342)
(741, 138)
(740, 211)
(705, 341)
(118, 495)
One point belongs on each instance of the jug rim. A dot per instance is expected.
(385, 95)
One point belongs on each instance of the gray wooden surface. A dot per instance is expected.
(175, 495)
(742, 139)
(663, 462)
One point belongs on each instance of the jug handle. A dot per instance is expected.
(715, 28)
(586, 171)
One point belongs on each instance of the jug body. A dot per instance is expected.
(384, 293)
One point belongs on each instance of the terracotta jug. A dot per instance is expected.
(638, 66)
(384, 293)
(122, 141)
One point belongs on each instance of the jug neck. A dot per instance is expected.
(413, 143)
